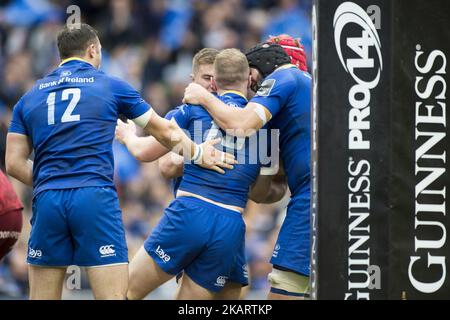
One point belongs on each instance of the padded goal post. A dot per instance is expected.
(380, 143)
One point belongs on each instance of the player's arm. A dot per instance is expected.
(18, 165)
(144, 149)
(243, 120)
(168, 133)
(269, 188)
(19, 148)
(148, 149)
(171, 165)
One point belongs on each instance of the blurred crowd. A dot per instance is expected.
(150, 44)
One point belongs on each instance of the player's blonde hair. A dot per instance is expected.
(204, 56)
(230, 68)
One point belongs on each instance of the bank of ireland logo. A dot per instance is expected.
(350, 13)
(107, 251)
(66, 73)
(232, 104)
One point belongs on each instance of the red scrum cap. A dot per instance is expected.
(293, 48)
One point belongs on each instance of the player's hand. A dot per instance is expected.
(124, 131)
(214, 159)
(194, 94)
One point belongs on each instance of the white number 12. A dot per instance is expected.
(67, 116)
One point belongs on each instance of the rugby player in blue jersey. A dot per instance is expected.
(68, 119)
(269, 188)
(201, 232)
(171, 164)
(283, 99)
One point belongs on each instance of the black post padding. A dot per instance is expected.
(379, 155)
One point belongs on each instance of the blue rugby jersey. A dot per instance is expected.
(232, 187)
(70, 117)
(286, 93)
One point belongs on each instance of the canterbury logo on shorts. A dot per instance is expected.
(107, 251)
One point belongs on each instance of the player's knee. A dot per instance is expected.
(190, 290)
(139, 287)
(116, 291)
(288, 283)
(132, 295)
(118, 294)
(231, 291)
(134, 291)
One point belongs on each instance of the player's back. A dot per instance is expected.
(232, 187)
(70, 117)
(293, 120)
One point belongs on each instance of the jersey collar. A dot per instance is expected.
(286, 66)
(236, 93)
(73, 59)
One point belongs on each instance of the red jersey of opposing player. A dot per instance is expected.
(10, 216)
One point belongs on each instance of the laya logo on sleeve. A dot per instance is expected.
(266, 88)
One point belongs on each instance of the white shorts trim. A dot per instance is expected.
(47, 266)
(289, 281)
(66, 266)
(106, 265)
